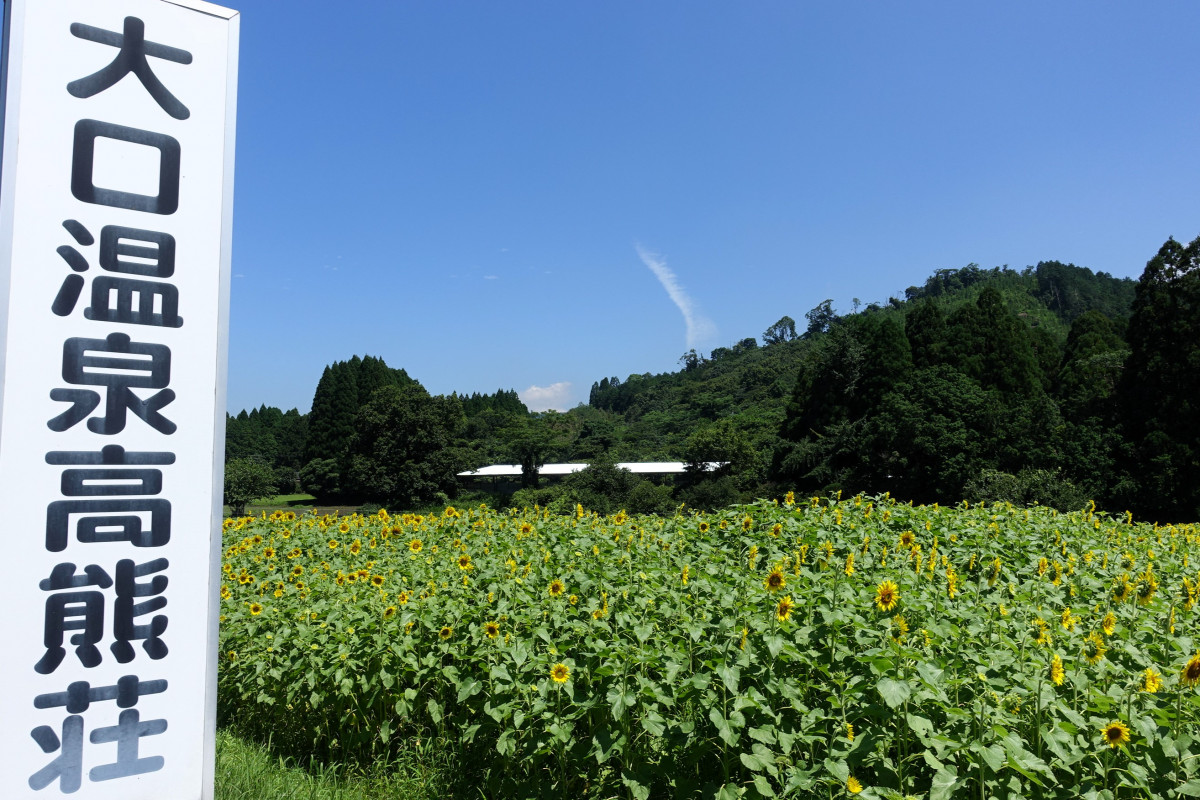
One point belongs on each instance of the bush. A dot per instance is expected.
(246, 479)
(321, 478)
(1029, 487)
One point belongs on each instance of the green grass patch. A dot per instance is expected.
(284, 501)
(250, 771)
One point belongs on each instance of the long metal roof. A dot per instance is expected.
(639, 467)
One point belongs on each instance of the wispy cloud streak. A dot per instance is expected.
(698, 326)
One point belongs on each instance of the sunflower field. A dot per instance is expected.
(813, 647)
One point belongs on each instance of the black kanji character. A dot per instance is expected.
(83, 162)
(73, 611)
(68, 767)
(125, 610)
(131, 58)
(113, 297)
(127, 733)
(130, 365)
(101, 523)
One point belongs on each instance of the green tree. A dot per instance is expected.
(1160, 387)
(782, 331)
(246, 479)
(820, 318)
(925, 329)
(990, 345)
(528, 442)
(405, 447)
(932, 433)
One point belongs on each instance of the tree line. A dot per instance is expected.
(1051, 384)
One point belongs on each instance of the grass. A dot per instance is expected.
(284, 501)
(249, 771)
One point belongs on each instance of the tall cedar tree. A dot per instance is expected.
(991, 345)
(344, 388)
(1160, 390)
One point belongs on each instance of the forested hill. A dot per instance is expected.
(980, 383)
(749, 386)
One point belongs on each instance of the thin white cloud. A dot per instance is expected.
(698, 326)
(491, 277)
(555, 397)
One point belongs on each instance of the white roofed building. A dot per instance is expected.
(496, 475)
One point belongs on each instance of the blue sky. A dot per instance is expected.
(537, 195)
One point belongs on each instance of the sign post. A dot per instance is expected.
(116, 190)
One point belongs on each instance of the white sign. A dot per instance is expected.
(116, 192)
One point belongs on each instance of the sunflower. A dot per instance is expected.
(775, 580)
(747, 524)
(403, 597)
(1115, 734)
(255, 609)
(907, 538)
(1108, 624)
(1094, 648)
(268, 552)
(464, 562)
(703, 527)
(389, 612)
(784, 609)
(994, 573)
(560, 673)
(491, 629)
(1146, 588)
(887, 595)
(415, 546)
(445, 633)
(1151, 681)
(853, 786)
(620, 517)
(849, 568)
(1056, 670)
(1191, 672)
(333, 544)
(377, 581)
(344, 527)
(1068, 621)
(1121, 588)
(789, 499)
(899, 628)
(526, 527)
(355, 547)
(556, 588)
